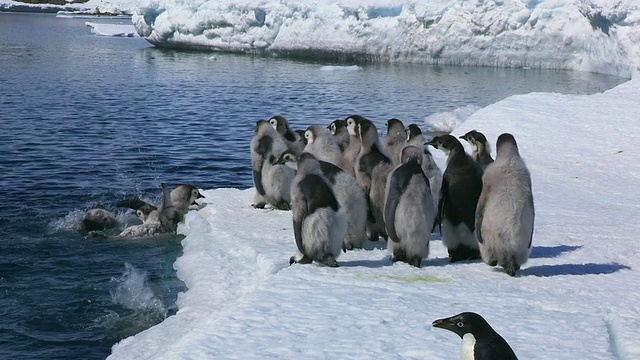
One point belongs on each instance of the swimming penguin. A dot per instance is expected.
(322, 145)
(409, 211)
(429, 166)
(350, 154)
(479, 340)
(461, 187)
(142, 208)
(98, 219)
(505, 211)
(350, 197)
(338, 129)
(292, 138)
(272, 181)
(184, 196)
(395, 139)
(481, 152)
(372, 170)
(319, 223)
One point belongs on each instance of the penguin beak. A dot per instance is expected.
(200, 196)
(431, 143)
(462, 137)
(445, 323)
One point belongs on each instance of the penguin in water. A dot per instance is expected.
(461, 187)
(185, 196)
(322, 145)
(481, 152)
(338, 129)
(142, 208)
(98, 219)
(155, 221)
(350, 197)
(272, 181)
(319, 223)
(395, 139)
(429, 166)
(409, 212)
(505, 211)
(479, 340)
(292, 138)
(373, 166)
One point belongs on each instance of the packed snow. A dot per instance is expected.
(574, 298)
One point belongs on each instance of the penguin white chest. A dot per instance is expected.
(468, 344)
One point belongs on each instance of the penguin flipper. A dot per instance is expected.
(317, 194)
(264, 145)
(532, 221)
(397, 183)
(257, 181)
(297, 231)
(482, 201)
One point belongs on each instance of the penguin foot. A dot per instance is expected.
(330, 261)
(259, 205)
(303, 260)
(282, 205)
(492, 263)
(415, 261)
(511, 267)
(463, 252)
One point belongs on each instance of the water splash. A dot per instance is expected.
(132, 291)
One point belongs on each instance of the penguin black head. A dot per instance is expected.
(259, 124)
(486, 343)
(352, 123)
(394, 125)
(287, 158)
(413, 131)
(446, 143)
(336, 126)
(506, 144)
(281, 125)
(411, 153)
(474, 136)
(302, 138)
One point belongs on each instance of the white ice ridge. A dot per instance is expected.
(119, 30)
(600, 36)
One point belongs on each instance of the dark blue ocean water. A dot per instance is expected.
(87, 119)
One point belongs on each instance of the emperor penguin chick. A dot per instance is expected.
(505, 211)
(183, 196)
(292, 138)
(429, 166)
(272, 181)
(394, 140)
(481, 152)
(322, 145)
(461, 187)
(338, 129)
(409, 211)
(319, 223)
(350, 154)
(372, 170)
(350, 197)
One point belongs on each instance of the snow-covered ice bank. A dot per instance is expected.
(112, 7)
(574, 299)
(588, 35)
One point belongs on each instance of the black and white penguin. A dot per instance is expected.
(373, 166)
(481, 151)
(409, 211)
(185, 196)
(429, 166)
(292, 138)
(272, 181)
(322, 145)
(338, 129)
(505, 211)
(350, 197)
(479, 340)
(350, 154)
(142, 208)
(155, 221)
(461, 187)
(98, 219)
(395, 139)
(319, 222)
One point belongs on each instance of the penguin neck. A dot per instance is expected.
(467, 348)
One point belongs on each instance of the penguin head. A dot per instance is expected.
(277, 123)
(476, 139)
(413, 131)
(411, 153)
(287, 158)
(336, 126)
(309, 136)
(184, 193)
(144, 211)
(395, 127)
(465, 323)
(446, 143)
(367, 132)
(352, 123)
(506, 145)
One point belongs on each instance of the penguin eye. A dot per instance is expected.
(307, 134)
(350, 121)
(333, 129)
(273, 123)
(139, 213)
(460, 324)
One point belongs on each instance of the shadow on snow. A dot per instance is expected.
(551, 251)
(573, 269)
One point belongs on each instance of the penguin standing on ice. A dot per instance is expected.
(184, 196)
(395, 139)
(350, 197)
(429, 166)
(505, 211)
(322, 145)
(319, 223)
(409, 211)
(479, 340)
(461, 187)
(338, 129)
(272, 181)
(481, 151)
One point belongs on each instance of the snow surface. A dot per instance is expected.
(119, 30)
(588, 35)
(576, 298)
(113, 7)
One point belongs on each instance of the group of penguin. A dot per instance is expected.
(345, 185)
(154, 220)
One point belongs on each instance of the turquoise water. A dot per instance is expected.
(87, 119)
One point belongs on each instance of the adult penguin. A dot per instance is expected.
(409, 211)
(461, 187)
(319, 223)
(272, 181)
(481, 151)
(479, 340)
(505, 211)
